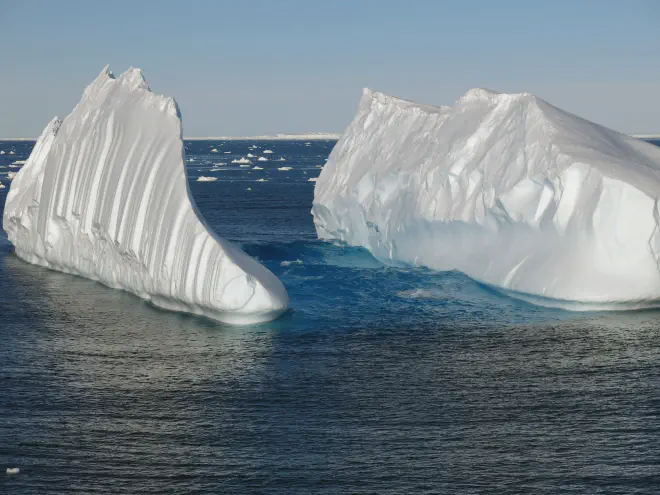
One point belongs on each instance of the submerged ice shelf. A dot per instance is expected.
(505, 188)
(104, 195)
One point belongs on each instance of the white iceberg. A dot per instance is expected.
(242, 160)
(214, 150)
(250, 155)
(2, 186)
(267, 152)
(284, 169)
(2, 152)
(18, 162)
(312, 179)
(12, 152)
(11, 175)
(257, 167)
(261, 180)
(262, 159)
(281, 159)
(104, 195)
(203, 178)
(508, 189)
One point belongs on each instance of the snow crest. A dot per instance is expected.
(506, 188)
(104, 195)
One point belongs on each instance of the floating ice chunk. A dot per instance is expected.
(289, 263)
(262, 159)
(214, 150)
(2, 152)
(227, 152)
(11, 175)
(19, 162)
(261, 180)
(2, 186)
(249, 189)
(203, 178)
(242, 160)
(281, 159)
(284, 169)
(12, 152)
(257, 167)
(267, 152)
(312, 179)
(245, 165)
(250, 155)
(107, 198)
(508, 189)
(12, 471)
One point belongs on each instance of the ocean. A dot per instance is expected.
(380, 379)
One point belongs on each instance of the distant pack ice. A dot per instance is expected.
(104, 195)
(505, 188)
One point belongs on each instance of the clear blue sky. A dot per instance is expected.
(251, 67)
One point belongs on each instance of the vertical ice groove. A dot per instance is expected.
(104, 195)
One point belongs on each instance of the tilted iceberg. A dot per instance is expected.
(505, 188)
(104, 195)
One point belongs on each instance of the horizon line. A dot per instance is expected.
(320, 136)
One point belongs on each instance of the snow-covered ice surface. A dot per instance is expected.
(104, 195)
(506, 188)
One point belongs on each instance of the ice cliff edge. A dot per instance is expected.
(506, 188)
(104, 195)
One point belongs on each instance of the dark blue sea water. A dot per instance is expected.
(380, 379)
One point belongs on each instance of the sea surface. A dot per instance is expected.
(379, 380)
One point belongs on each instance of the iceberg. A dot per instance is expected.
(284, 169)
(203, 178)
(506, 188)
(104, 195)
(242, 160)
(262, 159)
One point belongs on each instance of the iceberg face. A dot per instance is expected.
(508, 189)
(104, 195)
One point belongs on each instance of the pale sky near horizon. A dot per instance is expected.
(257, 66)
